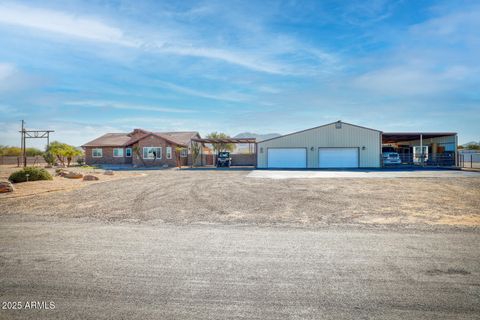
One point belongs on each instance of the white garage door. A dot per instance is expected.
(338, 157)
(287, 157)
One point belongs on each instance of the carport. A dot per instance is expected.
(423, 148)
(238, 159)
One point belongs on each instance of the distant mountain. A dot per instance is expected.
(470, 143)
(244, 147)
(259, 137)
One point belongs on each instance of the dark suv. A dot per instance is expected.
(223, 159)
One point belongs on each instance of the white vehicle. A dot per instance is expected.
(390, 156)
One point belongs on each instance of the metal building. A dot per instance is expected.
(334, 145)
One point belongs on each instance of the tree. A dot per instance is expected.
(33, 152)
(49, 158)
(218, 147)
(195, 152)
(10, 151)
(64, 152)
(473, 147)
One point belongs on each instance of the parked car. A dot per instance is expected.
(390, 156)
(224, 159)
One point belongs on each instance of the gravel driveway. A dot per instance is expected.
(219, 245)
(232, 197)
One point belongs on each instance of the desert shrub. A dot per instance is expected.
(49, 158)
(80, 161)
(34, 175)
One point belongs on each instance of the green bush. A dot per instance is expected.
(49, 158)
(34, 175)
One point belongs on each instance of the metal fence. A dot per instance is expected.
(430, 159)
(469, 160)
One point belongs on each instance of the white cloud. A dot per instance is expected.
(125, 106)
(458, 25)
(412, 80)
(62, 23)
(169, 38)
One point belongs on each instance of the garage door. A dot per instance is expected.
(338, 157)
(287, 158)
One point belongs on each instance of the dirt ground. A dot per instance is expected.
(231, 197)
(58, 183)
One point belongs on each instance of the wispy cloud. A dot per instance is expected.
(412, 80)
(62, 23)
(125, 106)
(13, 80)
(264, 57)
(225, 96)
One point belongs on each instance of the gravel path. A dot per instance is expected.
(232, 197)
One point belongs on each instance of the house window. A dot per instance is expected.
(97, 153)
(184, 153)
(128, 152)
(152, 152)
(118, 152)
(168, 151)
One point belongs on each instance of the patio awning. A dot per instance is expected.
(225, 140)
(393, 137)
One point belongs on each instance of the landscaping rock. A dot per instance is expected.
(90, 177)
(109, 172)
(61, 172)
(73, 175)
(6, 186)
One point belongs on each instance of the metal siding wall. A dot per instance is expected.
(328, 136)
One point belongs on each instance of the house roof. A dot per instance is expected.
(181, 138)
(109, 140)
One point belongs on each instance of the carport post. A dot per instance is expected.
(421, 149)
(456, 150)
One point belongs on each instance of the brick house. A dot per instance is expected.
(142, 148)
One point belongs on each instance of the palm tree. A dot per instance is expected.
(217, 147)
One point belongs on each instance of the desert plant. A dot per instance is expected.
(195, 152)
(64, 152)
(33, 152)
(49, 158)
(34, 174)
(80, 161)
(10, 151)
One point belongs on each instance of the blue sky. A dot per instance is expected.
(90, 67)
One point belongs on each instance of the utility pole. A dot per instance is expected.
(24, 147)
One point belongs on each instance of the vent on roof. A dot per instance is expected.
(338, 125)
